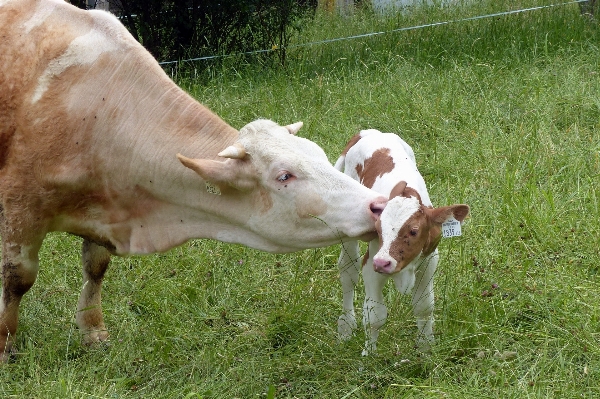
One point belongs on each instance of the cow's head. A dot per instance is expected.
(407, 229)
(297, 198)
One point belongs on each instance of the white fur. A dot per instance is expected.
(43, 11)
(397, 211)
(417, 276)
(83, 50)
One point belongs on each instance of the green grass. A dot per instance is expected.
(503, 114)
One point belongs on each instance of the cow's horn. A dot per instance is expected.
(294, 127)
(235, 151)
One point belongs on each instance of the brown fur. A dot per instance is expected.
(376, 166)
(89, 317)
(312, 205)
(351, 143)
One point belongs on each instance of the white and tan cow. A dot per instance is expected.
(90, 132)
(409, 231)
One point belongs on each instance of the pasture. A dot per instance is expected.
(503, 114)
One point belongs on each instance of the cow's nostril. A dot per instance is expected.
(377, 207)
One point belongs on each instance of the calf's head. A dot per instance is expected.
(291, 197)
(407, 229)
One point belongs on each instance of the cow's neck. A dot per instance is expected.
(148, 200)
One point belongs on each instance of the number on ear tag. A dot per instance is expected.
(451, 228)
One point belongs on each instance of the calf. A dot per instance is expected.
(409, 231)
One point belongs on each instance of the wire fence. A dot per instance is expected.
(372, 34)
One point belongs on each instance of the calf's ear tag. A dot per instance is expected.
(212, 188)
(451, 228)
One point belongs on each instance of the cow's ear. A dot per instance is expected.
(233, 173)
(209, 170)
(294, 127)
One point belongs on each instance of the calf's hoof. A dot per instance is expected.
(345, 326)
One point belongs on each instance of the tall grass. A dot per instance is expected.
(503, 114)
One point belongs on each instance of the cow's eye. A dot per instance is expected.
(284, 176)
(414, 232)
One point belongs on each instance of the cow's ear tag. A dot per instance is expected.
(212, 188)
(451, 227)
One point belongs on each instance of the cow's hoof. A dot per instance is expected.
(95, 338)
(7, 356)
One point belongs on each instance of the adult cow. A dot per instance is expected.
(90, 129)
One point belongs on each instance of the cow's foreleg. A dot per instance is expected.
(20, 267)
(422, 301)
(349, 266)
(89, 317)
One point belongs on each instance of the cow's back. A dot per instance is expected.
(39, 41)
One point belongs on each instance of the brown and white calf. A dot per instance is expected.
(409, 231)
(90, 132)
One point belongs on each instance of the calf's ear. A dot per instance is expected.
(401, 189)
(398, 189)
(440, 215)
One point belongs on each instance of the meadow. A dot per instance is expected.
(503, 114)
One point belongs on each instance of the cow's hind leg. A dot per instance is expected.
(20, 267)
(89, 317)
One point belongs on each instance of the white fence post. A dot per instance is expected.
(102, 5)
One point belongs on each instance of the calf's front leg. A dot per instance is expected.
(423, 301)
(374, 309)
(95, 260)
(349, 266)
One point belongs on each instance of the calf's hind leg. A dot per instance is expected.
(20, 267)
(95, 260)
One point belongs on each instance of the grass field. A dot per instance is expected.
(503, 114)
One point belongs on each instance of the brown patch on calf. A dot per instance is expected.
(376, 166)
(422, 232)
(350, 144)
(411, 239)
(365, 258)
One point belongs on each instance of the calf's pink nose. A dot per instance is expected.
(382, 265)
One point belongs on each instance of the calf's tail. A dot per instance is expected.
(339, 164)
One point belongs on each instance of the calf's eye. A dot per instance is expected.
(413, 232)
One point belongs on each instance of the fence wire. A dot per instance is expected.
(372, 34)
